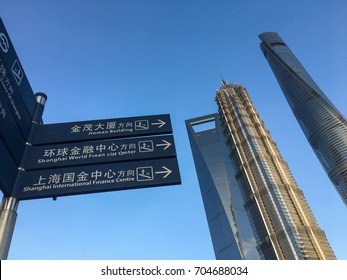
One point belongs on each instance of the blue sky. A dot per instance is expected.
(111, 59)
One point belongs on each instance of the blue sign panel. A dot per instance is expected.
(14, 85)
(102, 129)
(96, 178)
(8, 170)
(10, 133)
(102, 151)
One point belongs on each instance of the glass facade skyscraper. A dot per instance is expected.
(282, 221)
(230, 229)
(323, 125)
(261, 184)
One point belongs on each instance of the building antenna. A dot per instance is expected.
(224, 82)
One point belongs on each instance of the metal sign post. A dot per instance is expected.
(9, 205)
(8, 216)
(54, 160)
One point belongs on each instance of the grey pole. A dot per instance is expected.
(8, 218)
(9, 205)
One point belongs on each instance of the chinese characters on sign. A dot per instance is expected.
(92, 152)
(102, 129)
(78, 157)
(17, 108)
(14, 85)
(97, 178)
(88, 166)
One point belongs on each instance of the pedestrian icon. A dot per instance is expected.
(141, 125)
(146, 146)
(144, 173)
(17, 72)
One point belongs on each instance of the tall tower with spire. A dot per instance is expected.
(323, 125)
(282, 221)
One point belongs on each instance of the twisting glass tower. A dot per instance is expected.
(281, 219)
(324, 126)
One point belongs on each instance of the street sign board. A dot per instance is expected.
(77, 157)
(8, 170)
(96, 178)
(102, 129)
(100, 151)
(10, 133)
(14, 84)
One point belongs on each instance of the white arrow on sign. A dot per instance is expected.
(160, 123)
(166, 171)
(166, 144)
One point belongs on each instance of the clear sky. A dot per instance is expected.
(108, 59)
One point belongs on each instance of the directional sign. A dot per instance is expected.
(14, 85)
(96, 178)
(102, 129)
(77, 157)
(102, 151)
(8, 170)
(10, 132)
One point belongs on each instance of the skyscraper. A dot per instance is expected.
(279, 216)
(282, 221)
(323, 125)
(230, 230)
